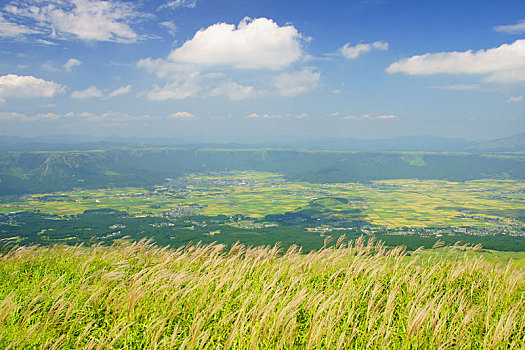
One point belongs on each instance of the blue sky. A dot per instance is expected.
(262, 69)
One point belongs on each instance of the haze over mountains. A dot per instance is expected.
(515, 143)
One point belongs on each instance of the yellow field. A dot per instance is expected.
(390, 203)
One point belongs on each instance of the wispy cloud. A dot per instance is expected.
(517, 28)
(264, 116)
(71, 63)
(515, 99)
(181, 115)
(457, 87)
(90, 92)
(353, 52)
(91, 20)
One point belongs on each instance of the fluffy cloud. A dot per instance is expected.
(71, 63)
(120, 91)
(295, 83)
(512, 28)
(514, 99)
(505, 64)
(206, 64)
(181, 115)
(88, 93)
(84, 19)
(354, 52)
(234, 91)
(12, 85)
(254, 44)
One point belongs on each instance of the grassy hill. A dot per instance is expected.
(351, 297)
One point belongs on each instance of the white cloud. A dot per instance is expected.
(517, 28)
(457, 87)
(302, 116)
(12, 115)
(386, 116)
(254, 44)
(234, 91)
(12, 30)
(295, 83)
(49, 66)
(505, 64)
(177, 90)
(264, 116)
(88, 93)
(173, 4)
(181, 115)
(506, 77)
(17, 86)
(353, 52)
(72, 62)
(84, 19)
(370, 117)
(120, 91)
(514, 99)
(26, 118)
(170, 27)
(45, 42)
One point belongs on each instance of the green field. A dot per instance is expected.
(353, 296)
(481, 204)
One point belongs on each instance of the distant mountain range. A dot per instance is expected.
(515, 143)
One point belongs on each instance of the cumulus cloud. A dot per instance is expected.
(517, 28)
(71, 63)
(90, 92)
(294, 83)
(504, 64)
(206, 64)
(264, 116)
(515, 99)
(234, 91)
(181, 115)
(254, 44)
(120, 91)
(353, 52)
(16, 86)
(93, 20)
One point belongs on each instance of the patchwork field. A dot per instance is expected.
(411, 203)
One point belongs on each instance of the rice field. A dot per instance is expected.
(351, 296)
(388, 203)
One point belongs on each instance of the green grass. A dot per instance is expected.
(351, 297)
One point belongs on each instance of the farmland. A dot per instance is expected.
(477, 204)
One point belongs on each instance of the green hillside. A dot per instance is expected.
(352, 297)
(30, 172)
